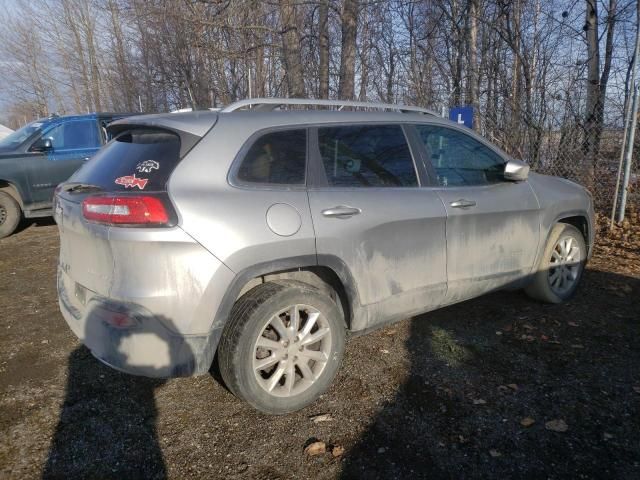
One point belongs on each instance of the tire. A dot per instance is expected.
(547, 284)
(259, 316)
(10, 214)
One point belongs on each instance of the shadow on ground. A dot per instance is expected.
(107, 426)
(476, 370)
(479, 368)
(98, 438)
(26, 223)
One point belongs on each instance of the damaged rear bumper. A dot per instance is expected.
(129, 338)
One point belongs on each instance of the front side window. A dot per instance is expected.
(74, 135)
(459, 159)
(366, 156)
(276, 158)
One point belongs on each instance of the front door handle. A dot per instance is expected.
(462, 203)
(341, 211)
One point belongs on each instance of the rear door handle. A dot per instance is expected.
(341, 211)
(462, 203)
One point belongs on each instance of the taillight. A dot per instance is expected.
(132, 210)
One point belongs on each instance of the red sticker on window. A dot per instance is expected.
(131, 181)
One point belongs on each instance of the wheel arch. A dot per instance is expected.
(327, 273)
(577, 218)
(12, 190)
(581, 222)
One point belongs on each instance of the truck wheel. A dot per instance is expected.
(561, 265)
(282, 346)
(10, 214)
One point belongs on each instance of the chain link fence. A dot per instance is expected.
(561, 149)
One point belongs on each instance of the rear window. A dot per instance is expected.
(134, 160)
(366, 156)
(276, 158)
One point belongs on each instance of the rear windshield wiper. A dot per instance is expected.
(81, 187)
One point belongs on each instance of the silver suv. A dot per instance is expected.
(264, 235)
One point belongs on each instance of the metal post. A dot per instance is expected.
(623, 150)
(629, 154)
(625, 135)
(632, 127)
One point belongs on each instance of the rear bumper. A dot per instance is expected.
(129, 338)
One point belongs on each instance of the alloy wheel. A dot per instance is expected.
(292, 350)
(564, 265)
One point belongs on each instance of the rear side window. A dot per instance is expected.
(276, 158)
(134, 160)
(366, 156)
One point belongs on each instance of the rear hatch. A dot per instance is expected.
(123, 186)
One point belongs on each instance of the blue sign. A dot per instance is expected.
(462, 116)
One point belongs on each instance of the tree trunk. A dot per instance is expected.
(364, 59)
(291, 49)
(391, 76)
(71, 23)
(594, 100)
(89, 34)
(120, 58)
(456, 63)
(515, 84)
(472, 42)
(346, 89)
(323, 91)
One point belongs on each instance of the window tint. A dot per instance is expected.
(277, 158)
(366, 156)
(460, 159)
(76, 134)
(134, 160)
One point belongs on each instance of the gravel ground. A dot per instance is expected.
(499, 386)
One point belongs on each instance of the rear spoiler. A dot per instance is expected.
(190, 127)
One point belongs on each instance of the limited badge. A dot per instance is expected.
(147, 166)
(131, 181)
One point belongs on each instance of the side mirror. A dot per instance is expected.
(42, 145)
(516, 170)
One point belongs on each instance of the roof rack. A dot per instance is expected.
(269, 104)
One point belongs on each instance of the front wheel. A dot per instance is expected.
(561, 266)
(10, 214)
(282, 346)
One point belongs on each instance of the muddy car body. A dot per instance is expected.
(265, 236)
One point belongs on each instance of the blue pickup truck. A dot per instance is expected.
(41, 155)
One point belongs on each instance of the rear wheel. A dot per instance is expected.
(9, 214)
(561, 266)
(282, 346)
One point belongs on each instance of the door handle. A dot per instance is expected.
(462, 203)
(86, 159)
(341, 211)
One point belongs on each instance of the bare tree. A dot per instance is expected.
(534, 74)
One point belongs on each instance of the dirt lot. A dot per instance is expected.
(444, 395)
